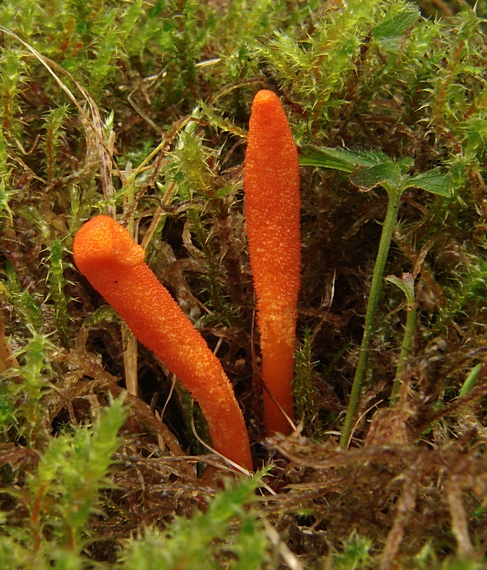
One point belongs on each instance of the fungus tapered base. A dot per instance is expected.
(277, 372)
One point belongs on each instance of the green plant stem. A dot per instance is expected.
(375, 290)
(407, 341)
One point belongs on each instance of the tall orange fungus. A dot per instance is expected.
(272, 209)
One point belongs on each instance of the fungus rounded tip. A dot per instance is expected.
(103, 241)
(265, 95)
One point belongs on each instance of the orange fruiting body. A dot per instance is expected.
(272, 209)
(114, 264)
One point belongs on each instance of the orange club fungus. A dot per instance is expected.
(113, 263)
(272, 209)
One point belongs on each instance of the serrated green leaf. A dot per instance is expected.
(405, 164)
(432, 181)
(397, 25)
(387, 175)
(341, 159)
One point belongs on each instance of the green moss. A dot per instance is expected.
(186, 544)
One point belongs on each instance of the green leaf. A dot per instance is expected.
(405, 164)
(393, 29)
(406, 284)
(432, 181)
(341, 159)
(471, 380)
(387, 175)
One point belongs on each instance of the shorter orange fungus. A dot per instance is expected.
(272, 209)
(114, 264)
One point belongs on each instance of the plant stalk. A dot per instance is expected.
(375, 291)
(405, 350)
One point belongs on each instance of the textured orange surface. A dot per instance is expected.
(114, 264)
(272, 209)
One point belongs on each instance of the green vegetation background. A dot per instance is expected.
(140, 108)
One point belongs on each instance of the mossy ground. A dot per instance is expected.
(140, 108)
